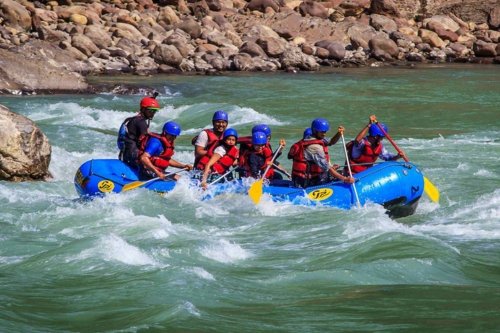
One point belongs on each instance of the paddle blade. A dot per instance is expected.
(131, 186)
(255, 191)
(431, 190)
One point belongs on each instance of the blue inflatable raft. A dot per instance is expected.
(397, 186)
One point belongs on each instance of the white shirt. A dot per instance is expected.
(221, 150)
(202, 139)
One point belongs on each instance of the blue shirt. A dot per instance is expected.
(154, 147)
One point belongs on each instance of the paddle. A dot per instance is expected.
(349, 168)
(255, 191)
(224, 175)
(429, 188)
(138, 183)
(277, 167)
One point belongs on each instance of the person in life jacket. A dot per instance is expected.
(156, 151)
(134, 128)
(210, 137)
(311, 161)
(220, 158)
(246, 144)
(255, 159)
(364, 150)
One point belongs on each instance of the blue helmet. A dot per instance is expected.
(220, 115)
(230, 132)
(307, 132)
(172, 128)
(375, 131)
(259, 138)
(320, 125)
(262, 128)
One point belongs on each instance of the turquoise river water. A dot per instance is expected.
(140, 262)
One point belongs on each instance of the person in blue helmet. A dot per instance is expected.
(311, 162)
(246, 145)
(332, 141)
(254, 160)
(220, 158)
(364, 150)
(210, 137)
(156, 151)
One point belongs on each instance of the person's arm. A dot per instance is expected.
(365, 129)
(153, 148)
(215, 157)
(387, 156)
(337, 136)
(337, 175)
(177, 164)
(145, 160)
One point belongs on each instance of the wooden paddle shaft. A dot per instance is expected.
(400, 152)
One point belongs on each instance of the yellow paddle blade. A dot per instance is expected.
(255, 191)
(133, 185)
(431, 190)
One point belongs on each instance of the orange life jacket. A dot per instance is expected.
(368, 156)
(162, 161)
(301, 167)
(266, 153)
(212, 141)
(224, 163)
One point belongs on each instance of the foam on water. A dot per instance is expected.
(474, 221)
(114, 248)
(224, 251)
(200, 272)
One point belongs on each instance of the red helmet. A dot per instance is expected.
(150, 103)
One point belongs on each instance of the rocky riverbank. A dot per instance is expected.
(50, 46)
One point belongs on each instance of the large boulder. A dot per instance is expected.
(27, 69)
(24, 149)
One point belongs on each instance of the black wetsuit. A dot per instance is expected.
(137, 126)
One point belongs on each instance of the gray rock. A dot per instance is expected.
(39, 66)
(24, 150)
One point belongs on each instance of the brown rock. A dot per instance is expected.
(253, 49)
(354, 7)
(190, 26)
(262, 5)
(384, 7)
(494, 17)
(383, 48)
(167, 54)
(15, 15)
(84, 44)
(274, 47)
(384, 23)
(431, 38)
(483, 49)
(313, 8)
(336, 50)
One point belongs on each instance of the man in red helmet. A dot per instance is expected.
(134, 128)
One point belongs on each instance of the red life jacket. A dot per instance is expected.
(223, 164)
(369, 155)
(212, 141)
(300, 167)
(266, 153)
(162, 161)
